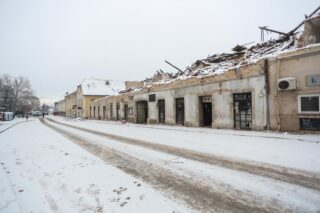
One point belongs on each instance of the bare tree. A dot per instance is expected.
(6, 92)
(16, 94)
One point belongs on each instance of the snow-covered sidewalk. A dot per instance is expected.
(42, 171)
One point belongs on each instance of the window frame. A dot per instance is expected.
(307, 112)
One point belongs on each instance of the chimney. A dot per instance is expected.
(311, 34)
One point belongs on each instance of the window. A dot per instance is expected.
(152, 98)
(309, 104)
(310, 124)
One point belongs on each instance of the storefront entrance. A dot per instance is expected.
(242, 110)
(206, 110)
(180, 111)
(142, 112)
(161, 105)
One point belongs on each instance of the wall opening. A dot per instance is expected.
(118, 111)
(111, 111)
(180, 111)
(310, 124)
(126, 112)
(205, 111)
(242, 110)
(104, 112)
(142, 112)
(162, 113)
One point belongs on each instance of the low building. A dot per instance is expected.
(271, 85)
(92, 89)
(117, 107)
(77, 103)
(60, 108)
(235, 99)
(71, 104)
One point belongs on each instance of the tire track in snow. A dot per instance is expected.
(9, 127)
(289, 175)
(196, 194)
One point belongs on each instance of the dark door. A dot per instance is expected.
(118, 110)
(142, 111)
(161, 104)
(242, 110)
(104, 112)
(126, 112)
(180, 111)
(111, 112)
(207, 113)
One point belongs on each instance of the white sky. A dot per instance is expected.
(58, 43)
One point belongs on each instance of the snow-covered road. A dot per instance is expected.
(289, 150)
(42, 171)
(180, 169)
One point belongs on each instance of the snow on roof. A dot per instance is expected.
(101, 87)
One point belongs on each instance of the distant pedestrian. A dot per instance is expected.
(27, 116)
(43, 115)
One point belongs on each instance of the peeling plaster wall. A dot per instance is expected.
(222, 98)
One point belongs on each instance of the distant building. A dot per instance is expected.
(60, 108)
(77, 103)
(70, 104)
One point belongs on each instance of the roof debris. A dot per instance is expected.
(219, 63)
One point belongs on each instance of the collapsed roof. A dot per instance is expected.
(219, 63)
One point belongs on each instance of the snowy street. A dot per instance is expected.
(58, 164)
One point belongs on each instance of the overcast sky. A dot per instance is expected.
(58, 43)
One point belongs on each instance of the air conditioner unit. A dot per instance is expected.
(287, 84)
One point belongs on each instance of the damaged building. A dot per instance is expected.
(270, 85)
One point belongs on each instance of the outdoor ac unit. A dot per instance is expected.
(287, 84)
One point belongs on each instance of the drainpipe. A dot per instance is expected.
(267, 88)
(276, 94)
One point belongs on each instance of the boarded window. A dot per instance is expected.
(152, 98)
(312, 124)
(310, 104)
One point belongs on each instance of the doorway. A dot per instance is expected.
(126, 112)
(206, 110)
(242, 110)
(161, 105)
(104, 112)
(180, 111)
(111, 112)
(142, 112)
(118, 110)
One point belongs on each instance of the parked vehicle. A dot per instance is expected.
(36, 113)
(6, 116)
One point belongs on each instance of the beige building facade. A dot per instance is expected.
(71, 104)
(295, 90)
(60, 108)
(194, 102)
